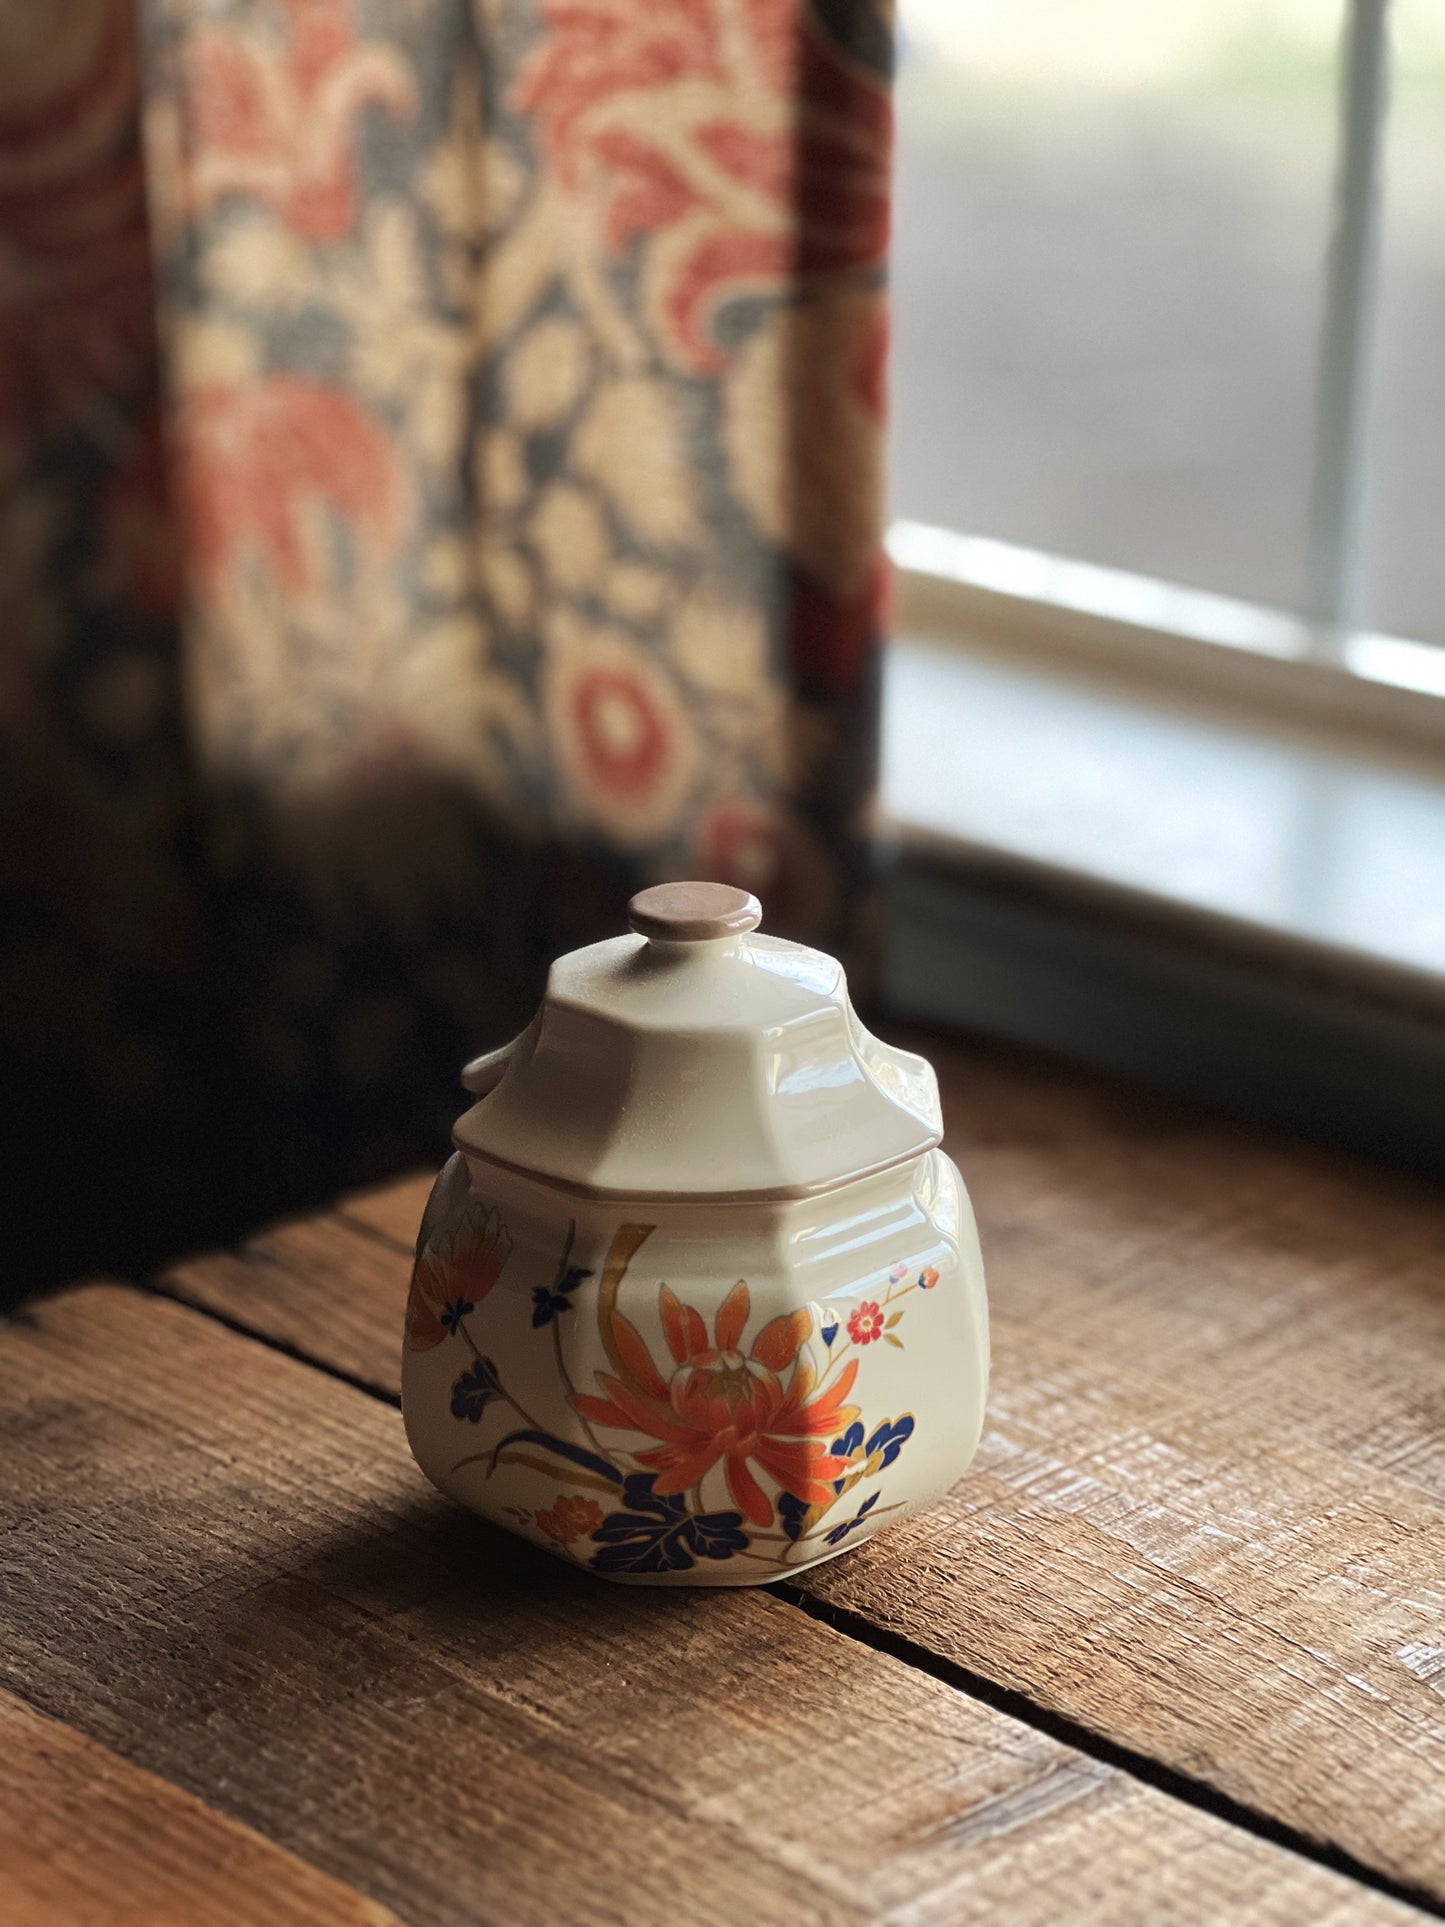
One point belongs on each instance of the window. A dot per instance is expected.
(1166, 708)
(1154, 312)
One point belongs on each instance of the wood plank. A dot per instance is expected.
(1305, 1288)
(87, 1840)
(222, 1563)
(390, 1211)
(1151, 1557)
(339, 1302)
(1270, 1622)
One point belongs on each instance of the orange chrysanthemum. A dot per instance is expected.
(721, 1404)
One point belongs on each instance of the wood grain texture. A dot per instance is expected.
(88, 1840)
(337, 1300)
(1270, 1622)
(1250, 1609)
(222, 1563)
(390, 1211)
(1201, 1521)
(1304, 1289)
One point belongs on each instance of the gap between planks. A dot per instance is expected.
(1286, 1306)
(1016, 1705)
(372, 1216)
(1098, 1746)
(255, 1585)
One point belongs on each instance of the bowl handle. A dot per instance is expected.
(484, 1073)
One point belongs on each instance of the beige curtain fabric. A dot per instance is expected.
(443, 490)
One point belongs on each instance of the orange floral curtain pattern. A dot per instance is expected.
(527, 372)
(493, 523)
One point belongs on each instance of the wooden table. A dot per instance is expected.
(1173, 1650)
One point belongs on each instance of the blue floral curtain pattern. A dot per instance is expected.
(528, 406)
(509, 533)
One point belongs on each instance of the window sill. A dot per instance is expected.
(1248, 911)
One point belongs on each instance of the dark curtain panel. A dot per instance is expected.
(442, 493)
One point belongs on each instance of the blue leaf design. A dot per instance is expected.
(454, 1313)
(792, 1511)
(549, 1300)
(658, 1535)
(888, 1441)
(474, 1391)
(840, 1533)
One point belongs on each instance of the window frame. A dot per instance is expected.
(1318, 665)
(1271, 667)
(1255, 1017)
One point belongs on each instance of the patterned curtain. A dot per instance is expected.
(442, 460)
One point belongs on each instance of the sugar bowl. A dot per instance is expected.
(698, 1300)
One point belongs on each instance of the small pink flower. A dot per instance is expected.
(898, 1271)
(866, 1324)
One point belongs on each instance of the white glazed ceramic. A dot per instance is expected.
(698, 1300)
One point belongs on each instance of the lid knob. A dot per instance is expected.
(693, 912)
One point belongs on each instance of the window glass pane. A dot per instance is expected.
(1404, 557)
(1108, 271)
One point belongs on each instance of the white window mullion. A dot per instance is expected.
(1333, 567)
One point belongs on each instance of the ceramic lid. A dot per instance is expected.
(698, 1058)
